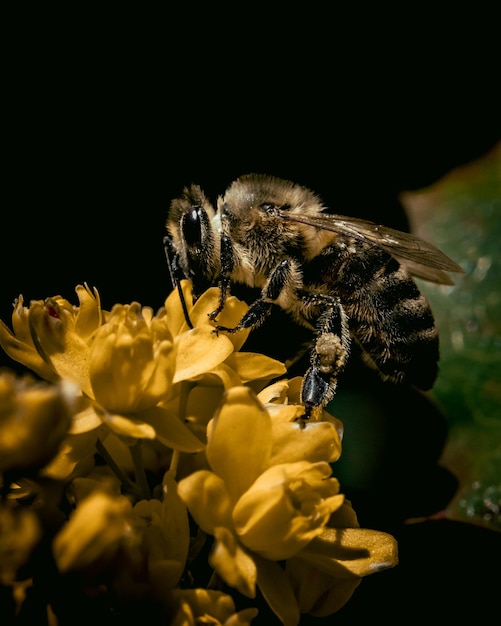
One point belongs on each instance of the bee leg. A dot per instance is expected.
(227, 264)
(256, 314)
(261, 308)
(328, 357)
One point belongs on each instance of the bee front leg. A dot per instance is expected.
(227, 264)
(328, 357)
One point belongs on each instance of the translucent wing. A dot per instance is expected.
(422, 259)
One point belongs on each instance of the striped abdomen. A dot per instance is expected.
(388, 315)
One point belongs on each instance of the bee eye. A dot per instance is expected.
(191, 226)
(269, 207)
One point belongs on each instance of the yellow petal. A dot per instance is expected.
(89, 312)
(75, 458)
(52, 331)
(85, 420)
(349, 552)
(239, 440)
(277, 591)
(337, 596)
(277, 392)
(208, 302)
(318, 593)
(230, 316)
(93, 534)
(233, 564)
(207, 499)
(20, 320)
(170, 430)
(174, 312)
(242, 618)
(25, 354)
(127, 426)
(199, 351)
(315, 441)
(222, 374)
(252, 366)
(176, 526)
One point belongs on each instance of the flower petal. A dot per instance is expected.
(207, 602)
(277, 591)
(26, 354)
(239, 440)
(207, 499)
(315, 441)
(86, 418)
(199, 351)
(75, 458)
(94, 534)
(318, 593)
(127, 426)
(176, 525)
(221, 374)
(253, 366)
(170, 430)
(173, 309)
(233, 564)
(89, 313)
(277, 392)
(349, 552)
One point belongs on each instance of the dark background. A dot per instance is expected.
(104, 125)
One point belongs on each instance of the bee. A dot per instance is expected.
(346, 279)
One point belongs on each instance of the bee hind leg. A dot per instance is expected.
(327, 358)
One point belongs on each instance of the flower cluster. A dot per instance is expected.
(160, 466)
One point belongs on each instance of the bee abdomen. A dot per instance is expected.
(393, 323)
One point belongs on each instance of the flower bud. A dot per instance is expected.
(95, 534)
(34, 420)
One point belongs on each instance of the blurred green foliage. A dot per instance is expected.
(461, 214)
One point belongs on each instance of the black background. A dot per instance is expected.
(105, 123)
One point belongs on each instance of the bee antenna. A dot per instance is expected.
(174, 271)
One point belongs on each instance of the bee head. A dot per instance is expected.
(194, 239)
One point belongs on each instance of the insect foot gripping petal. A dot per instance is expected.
(328, 358)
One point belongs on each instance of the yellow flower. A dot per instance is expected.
(34, 420)
(130, 366)
(285, 508)
(191, 607)
(259, 513)
(52, 337)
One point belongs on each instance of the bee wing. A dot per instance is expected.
(422, 259)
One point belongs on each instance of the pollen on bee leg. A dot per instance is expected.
(331, 353)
